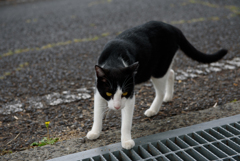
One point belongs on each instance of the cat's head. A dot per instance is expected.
(116, 85)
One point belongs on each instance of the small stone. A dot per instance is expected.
(29, 121)
(62, 123)
(8, 119)
(73, 127)
(29, 109)
(83, 140)
(2, 100)
(138, 117)
(81, 116)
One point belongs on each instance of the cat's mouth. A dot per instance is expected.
(116, 105)
(117, 108)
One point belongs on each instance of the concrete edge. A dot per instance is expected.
(150, 138)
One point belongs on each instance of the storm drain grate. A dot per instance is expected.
(215, 140)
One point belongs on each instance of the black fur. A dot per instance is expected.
(153, 45)
(110, 79)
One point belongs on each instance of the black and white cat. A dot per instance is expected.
(135, 56)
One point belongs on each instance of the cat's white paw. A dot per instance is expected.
(91, 135)
(167, 98)
(150, 113)
(129, 144)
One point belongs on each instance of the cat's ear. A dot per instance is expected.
(99, 71)
(134, 67)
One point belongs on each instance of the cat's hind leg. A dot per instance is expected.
(169, 87)
(159, 86)
(100, 105)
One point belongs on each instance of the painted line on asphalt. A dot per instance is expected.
(97, 37)
(99, 2)
(201, 19)
(201, 2)
(20, 67)
(51, 45)
(31, 20)
(92, 38)
(234, 9)
(56, 98)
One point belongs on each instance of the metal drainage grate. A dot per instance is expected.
(220, 140)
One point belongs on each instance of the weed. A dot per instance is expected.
(46, 140)
(3, 152)
(235, 100)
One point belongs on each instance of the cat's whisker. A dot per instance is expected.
(105, 110)
(107, 114)
(109, 82)
(127, 85)
(126, 80)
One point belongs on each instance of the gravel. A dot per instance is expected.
(48, 50)
(148, 127)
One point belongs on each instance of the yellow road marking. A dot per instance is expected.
(95, 38)
(48, 46)
(31, 20)
(99, 2)
(234, 9)
(195, 20)
(20, 67)
(73, 16)
(201, 2)
(28, 21)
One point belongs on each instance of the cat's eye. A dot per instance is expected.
(108, 94)
(125, 93)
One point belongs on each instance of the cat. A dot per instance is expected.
(133, 57)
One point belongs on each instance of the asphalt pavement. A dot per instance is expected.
(48, 49)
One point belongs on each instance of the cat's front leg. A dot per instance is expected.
(127, 115)
(99, 105)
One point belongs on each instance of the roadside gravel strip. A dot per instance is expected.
(113, 136)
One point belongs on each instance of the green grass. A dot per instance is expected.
(3, 152)
(45, 141)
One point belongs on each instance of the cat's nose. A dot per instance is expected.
(117, 107)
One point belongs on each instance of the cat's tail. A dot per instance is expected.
(193, 53)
